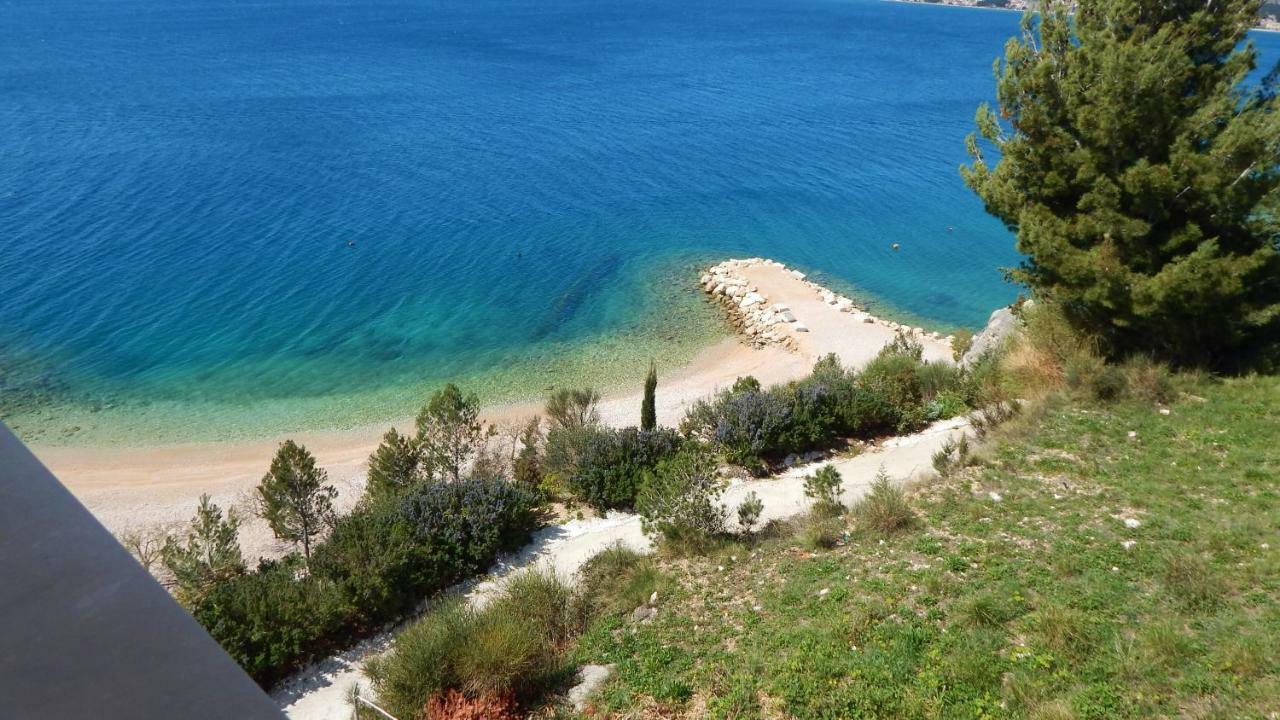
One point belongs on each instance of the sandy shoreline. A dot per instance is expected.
(147, 487)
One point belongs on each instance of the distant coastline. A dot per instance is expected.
(1266, 23)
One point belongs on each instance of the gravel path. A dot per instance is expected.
(320, 692)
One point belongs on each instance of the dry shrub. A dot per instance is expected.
(453, 705)
(1033, 371)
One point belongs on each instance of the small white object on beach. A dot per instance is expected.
(787, 316)
(797, 274)
(800, 327)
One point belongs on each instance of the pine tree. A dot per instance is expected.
(396, 465)
(648, 408)
(294, 498)
(1141, 174)
(210, 554)
(450, 432)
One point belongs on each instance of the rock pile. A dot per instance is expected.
(762, 323)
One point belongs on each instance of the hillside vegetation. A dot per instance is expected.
(1093, 560)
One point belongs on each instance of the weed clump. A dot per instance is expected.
(885, 509)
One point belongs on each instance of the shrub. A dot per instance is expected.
(271, 621)
(960, 343)
(952, 455)
(750, 425)
(885, 509)
(1148, 380)
(571, 409)
(820, 532)
(617, 580)
(563, 453)
(377, 564)
(507, 649)
(680, 498)
(369, 558)
(453, 705)
(1108, 383)
(824, 488)
(613, 463)
(749, 511)
(459, 528)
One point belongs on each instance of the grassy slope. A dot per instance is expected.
(1029, 606)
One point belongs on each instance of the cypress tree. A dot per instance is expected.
(1141, 174)
(649, 406)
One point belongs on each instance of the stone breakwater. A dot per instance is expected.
(763, 323)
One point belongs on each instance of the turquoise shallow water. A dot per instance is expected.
(224, 219)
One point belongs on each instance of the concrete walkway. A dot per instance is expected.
(320, 693)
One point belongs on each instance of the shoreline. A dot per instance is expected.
(159, 486)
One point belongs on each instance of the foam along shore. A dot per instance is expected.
(157, 486)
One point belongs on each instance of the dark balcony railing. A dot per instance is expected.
(85, 632)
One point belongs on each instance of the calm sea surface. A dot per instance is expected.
(220, 218)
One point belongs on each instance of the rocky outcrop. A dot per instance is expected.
(1002, 324)
(762, 323)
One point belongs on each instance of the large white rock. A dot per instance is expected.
(1000, 326)
(800, 327)
(787, 316)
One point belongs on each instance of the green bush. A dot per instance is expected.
(510, 646)
(679, 501)
(275, 619)
(749, 511)
(613, 464)
(896, 392)
(885, 509)
(377, 564)
(617, 580)
(824, 488)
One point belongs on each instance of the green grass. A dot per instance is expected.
(1026, 607)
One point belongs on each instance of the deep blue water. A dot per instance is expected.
(527, 186)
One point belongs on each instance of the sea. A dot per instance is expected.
(226, 219)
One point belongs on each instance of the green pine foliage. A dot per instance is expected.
(450, 433)
(396, 465)
(210, 554)
(294, 498)
(1141, 174)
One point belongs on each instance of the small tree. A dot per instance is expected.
(527, 467)
(649, 406)
(450, 432)
(679, 500)
(210, 554)
(1141, 176)
(749, 511)
(573, 409)
(396, 465)
(824, 487)
(145, 545)
(293, 497)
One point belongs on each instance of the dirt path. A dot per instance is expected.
(320, 693)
